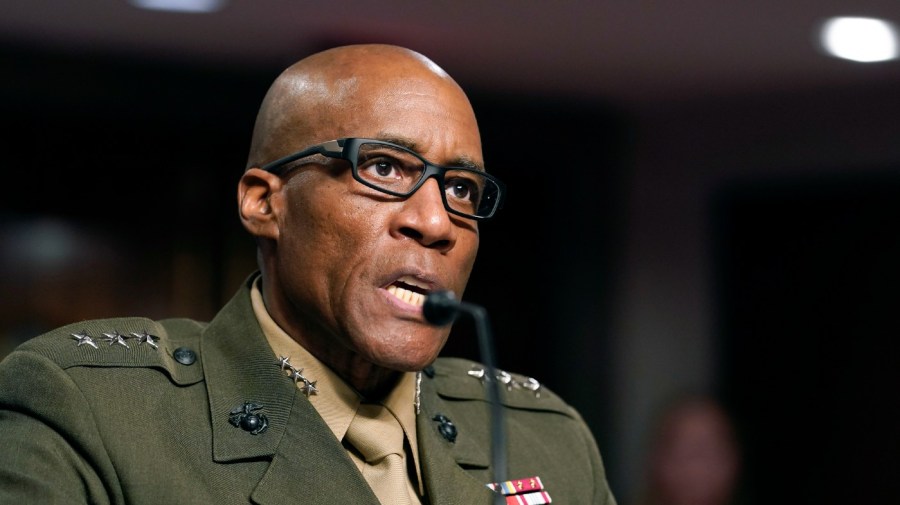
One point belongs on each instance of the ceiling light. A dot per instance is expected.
(859, 39)
(180, 5)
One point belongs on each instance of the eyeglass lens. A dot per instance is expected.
(398, 171)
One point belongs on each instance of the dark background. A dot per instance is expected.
(809, 290)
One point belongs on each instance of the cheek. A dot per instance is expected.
(352, 232)
(327, 233)
(468, 250)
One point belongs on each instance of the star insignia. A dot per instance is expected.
(115, 338)
(309, 388)
(83, 339)
(532, 385)
(296, 374)
(506, 378)
(147, 338)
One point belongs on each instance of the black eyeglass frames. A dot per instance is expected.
(399, 171)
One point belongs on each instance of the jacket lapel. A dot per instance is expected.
(307, 461)
(239, 368)
(443, 463)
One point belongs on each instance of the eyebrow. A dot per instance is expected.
(460, 161)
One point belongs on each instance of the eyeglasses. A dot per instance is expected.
(398, 171)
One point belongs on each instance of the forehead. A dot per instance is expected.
(429, 123)
(428, 110)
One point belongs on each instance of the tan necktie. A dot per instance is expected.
(377, 435)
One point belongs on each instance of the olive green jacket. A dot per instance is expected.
(148, 425)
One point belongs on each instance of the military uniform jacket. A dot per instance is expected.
(144, 420)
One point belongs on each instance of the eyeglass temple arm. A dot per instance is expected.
(332, 149)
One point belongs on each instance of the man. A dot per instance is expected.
(275, 400)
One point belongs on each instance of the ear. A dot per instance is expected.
(255, 196)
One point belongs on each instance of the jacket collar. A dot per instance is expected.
(444, 463)
(240, 367)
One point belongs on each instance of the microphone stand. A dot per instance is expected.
(442, 308)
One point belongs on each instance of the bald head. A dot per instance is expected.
(334, 250)
(326, 95)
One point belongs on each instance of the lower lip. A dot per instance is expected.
(401, 305)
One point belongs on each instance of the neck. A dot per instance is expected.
(372, 382)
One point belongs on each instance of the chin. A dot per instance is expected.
(407, 347)
(407, 358)
(406, 362)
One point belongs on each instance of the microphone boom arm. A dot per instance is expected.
(442, 308)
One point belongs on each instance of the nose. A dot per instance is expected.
(422, 217)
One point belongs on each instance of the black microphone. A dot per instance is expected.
(442, 308)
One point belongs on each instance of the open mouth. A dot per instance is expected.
(410, 290)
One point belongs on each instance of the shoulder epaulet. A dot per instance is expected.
(465, 379)
(128, 342)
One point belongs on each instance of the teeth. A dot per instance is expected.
(410, 297)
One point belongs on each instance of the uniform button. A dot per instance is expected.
(185, 356)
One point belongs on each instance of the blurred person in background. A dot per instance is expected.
(694, 456)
